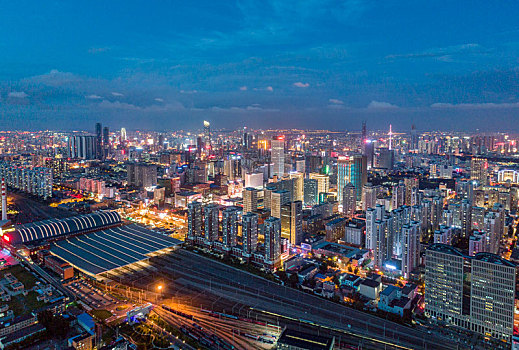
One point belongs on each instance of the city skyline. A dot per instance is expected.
(259, 64)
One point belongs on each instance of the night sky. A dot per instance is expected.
(161, 65)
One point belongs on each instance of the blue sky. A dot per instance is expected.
(271, 63)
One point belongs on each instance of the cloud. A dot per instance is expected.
(443, 54)
(268, 88)
(188, 91)
(251, 108)
(94, 97)
(301, 85)
(159, 99)
(17, 94)
(117, 94)
(117, 105)
(381, 105)
(335, 101)
(485, 105)
(55, 78)
(243, 88)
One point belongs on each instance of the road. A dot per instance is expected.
(202, 282)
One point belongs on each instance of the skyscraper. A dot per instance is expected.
(369, 196)
(410, 248)
(278, 155)
(352, 169)
(106, 142)
(229, 227)
(323, 182)
(310, 191)
(349, 200)
(292, 222)
(250, 200)
(298, 194)
(479, 170)
(211, 217)
(249, 233)
(272, 234)
(278, 199)
(99, 141)
(194, 219)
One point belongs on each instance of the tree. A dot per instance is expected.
(323, 267)
(293, 280)
(56, 326)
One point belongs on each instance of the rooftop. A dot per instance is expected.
(102, 251)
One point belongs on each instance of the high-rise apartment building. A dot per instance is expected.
(323, 182)
(272, 234)
(249, 233)
(211, 222)
(194, 219)
(349, 200)
(310, 192)
(229, 227)
(277, 200)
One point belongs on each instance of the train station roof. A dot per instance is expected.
(102, 251)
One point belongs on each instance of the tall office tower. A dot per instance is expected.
(446, 296)
(465, 218)
(353, 170)
(272, 234)
(141, 175)
(250, 200)
(99, 141)
(278, 156)
(4, 200)
(278, 199)
(123, 135)
(207, 135)
(299, 191)
(106, 142)
(477, 293)
(385, 158)
(194, 219)
(478, 218)
(292, 222)
(301, 166)
(414, 139)
(349, 200)
(479, 170)
(369, 153)
(323, 182)
(254, 180)
(249, 233)
(369, 196)
(397, 195)
(84, 147)
(364, 135)
(492, 302)
(436, 212)
(310, 192)
(229, 227)
(232, 168)
(267, 197)
(410, 183)
(410, 248)
(211, 216)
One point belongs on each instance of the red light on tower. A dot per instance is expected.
(6, 238)
(280, 137)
